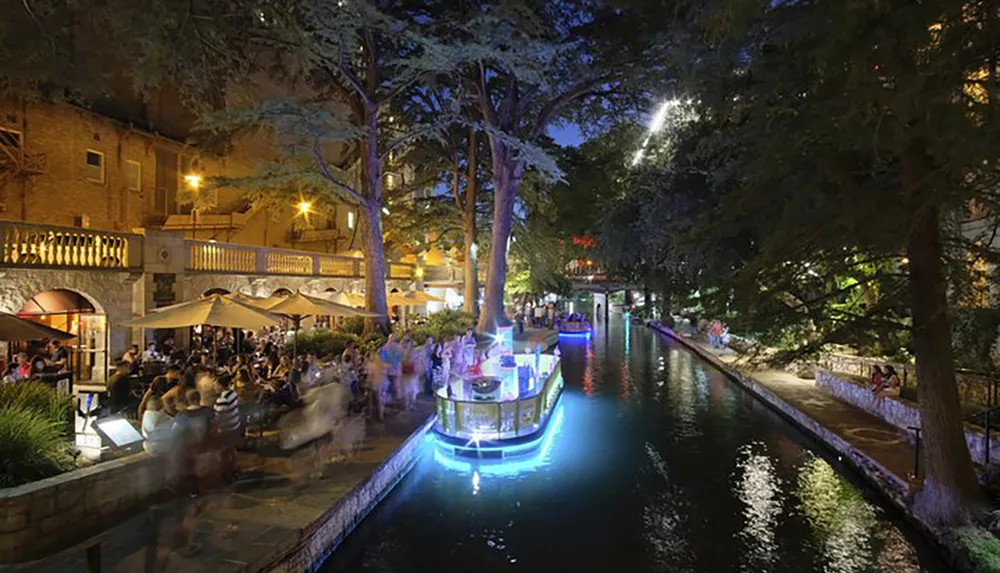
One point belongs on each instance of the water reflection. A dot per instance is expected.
(841, 520)
(658, 464)
(759, 488)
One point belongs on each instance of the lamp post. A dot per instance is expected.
(193, 181)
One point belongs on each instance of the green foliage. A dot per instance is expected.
(974, 331)
(443, 325)
(353, 325)
(40, 398)
(980, 547)
(322, 342)
(32, 446)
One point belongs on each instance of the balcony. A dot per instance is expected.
(27, 245)
(226, 258)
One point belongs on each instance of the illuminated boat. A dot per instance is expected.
(502, 412)
(575, 329)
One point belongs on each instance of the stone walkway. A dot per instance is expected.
(527, 339)
(875, 438)
(246, 527)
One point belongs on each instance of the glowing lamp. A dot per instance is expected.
(304, 207)
(193, 180)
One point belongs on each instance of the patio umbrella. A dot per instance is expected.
(215, 310)
(346, 298)
(300, 305)
(411, 298)
(15, 328)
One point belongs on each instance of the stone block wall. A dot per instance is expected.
(904, 414)
(898, 412)
(319, 539)
(43, 517)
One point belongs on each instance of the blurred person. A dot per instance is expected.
(161, 386)
(409, 381)
(378, 383)
(132, 355)
(156, 428)
(228, 425)
(119, 387)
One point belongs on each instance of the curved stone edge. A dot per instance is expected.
(959, 554)
(320, 539)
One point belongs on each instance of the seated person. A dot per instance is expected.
(151, 354)
(119, 387)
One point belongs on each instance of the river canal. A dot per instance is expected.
(653, 462)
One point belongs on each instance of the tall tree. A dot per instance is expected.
(850, 145)
(534, 63)
(340, 68)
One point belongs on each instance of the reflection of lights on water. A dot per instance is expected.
(759, 488)
(510, 466)
(841, 519)
(475, 483)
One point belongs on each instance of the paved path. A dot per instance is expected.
(874, 437)
(527, 339)
(243, 527)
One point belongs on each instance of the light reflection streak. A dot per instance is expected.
(841, 519)
(759, 488)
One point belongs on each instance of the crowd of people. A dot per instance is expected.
(200, 401)
(49, 361)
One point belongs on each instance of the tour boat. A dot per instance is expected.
(571, 329)
(502, 410)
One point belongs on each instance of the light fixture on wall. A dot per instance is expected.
(193, 180)
(304, 207)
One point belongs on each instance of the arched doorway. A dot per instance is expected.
(212, 291)
(282, 292)
(72, 312)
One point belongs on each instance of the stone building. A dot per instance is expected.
(92, 232)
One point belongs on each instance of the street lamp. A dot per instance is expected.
(304, 207)
(193, 180)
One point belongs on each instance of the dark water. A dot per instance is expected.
(655, 463)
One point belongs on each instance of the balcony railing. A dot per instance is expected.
(46, 246)
(224, 258)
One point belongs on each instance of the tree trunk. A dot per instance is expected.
(950, 492)
(372, 239)
(506, 178)
(469, 227)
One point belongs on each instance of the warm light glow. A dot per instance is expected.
(193, 180)
(304, 207)
(418, 272)
(350, 219)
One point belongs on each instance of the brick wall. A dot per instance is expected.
(42, 517)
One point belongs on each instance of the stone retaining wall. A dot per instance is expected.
(41, 517)
(318, 540)
(902, 413)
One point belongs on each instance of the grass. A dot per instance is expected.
(32, 446)
(40, 398)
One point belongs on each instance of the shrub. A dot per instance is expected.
(353, 325)
(442, 325)
(32, 447)
(42, 398)
(322, 342)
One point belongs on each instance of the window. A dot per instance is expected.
(10, 139)
(95, 166)
(133, 175)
